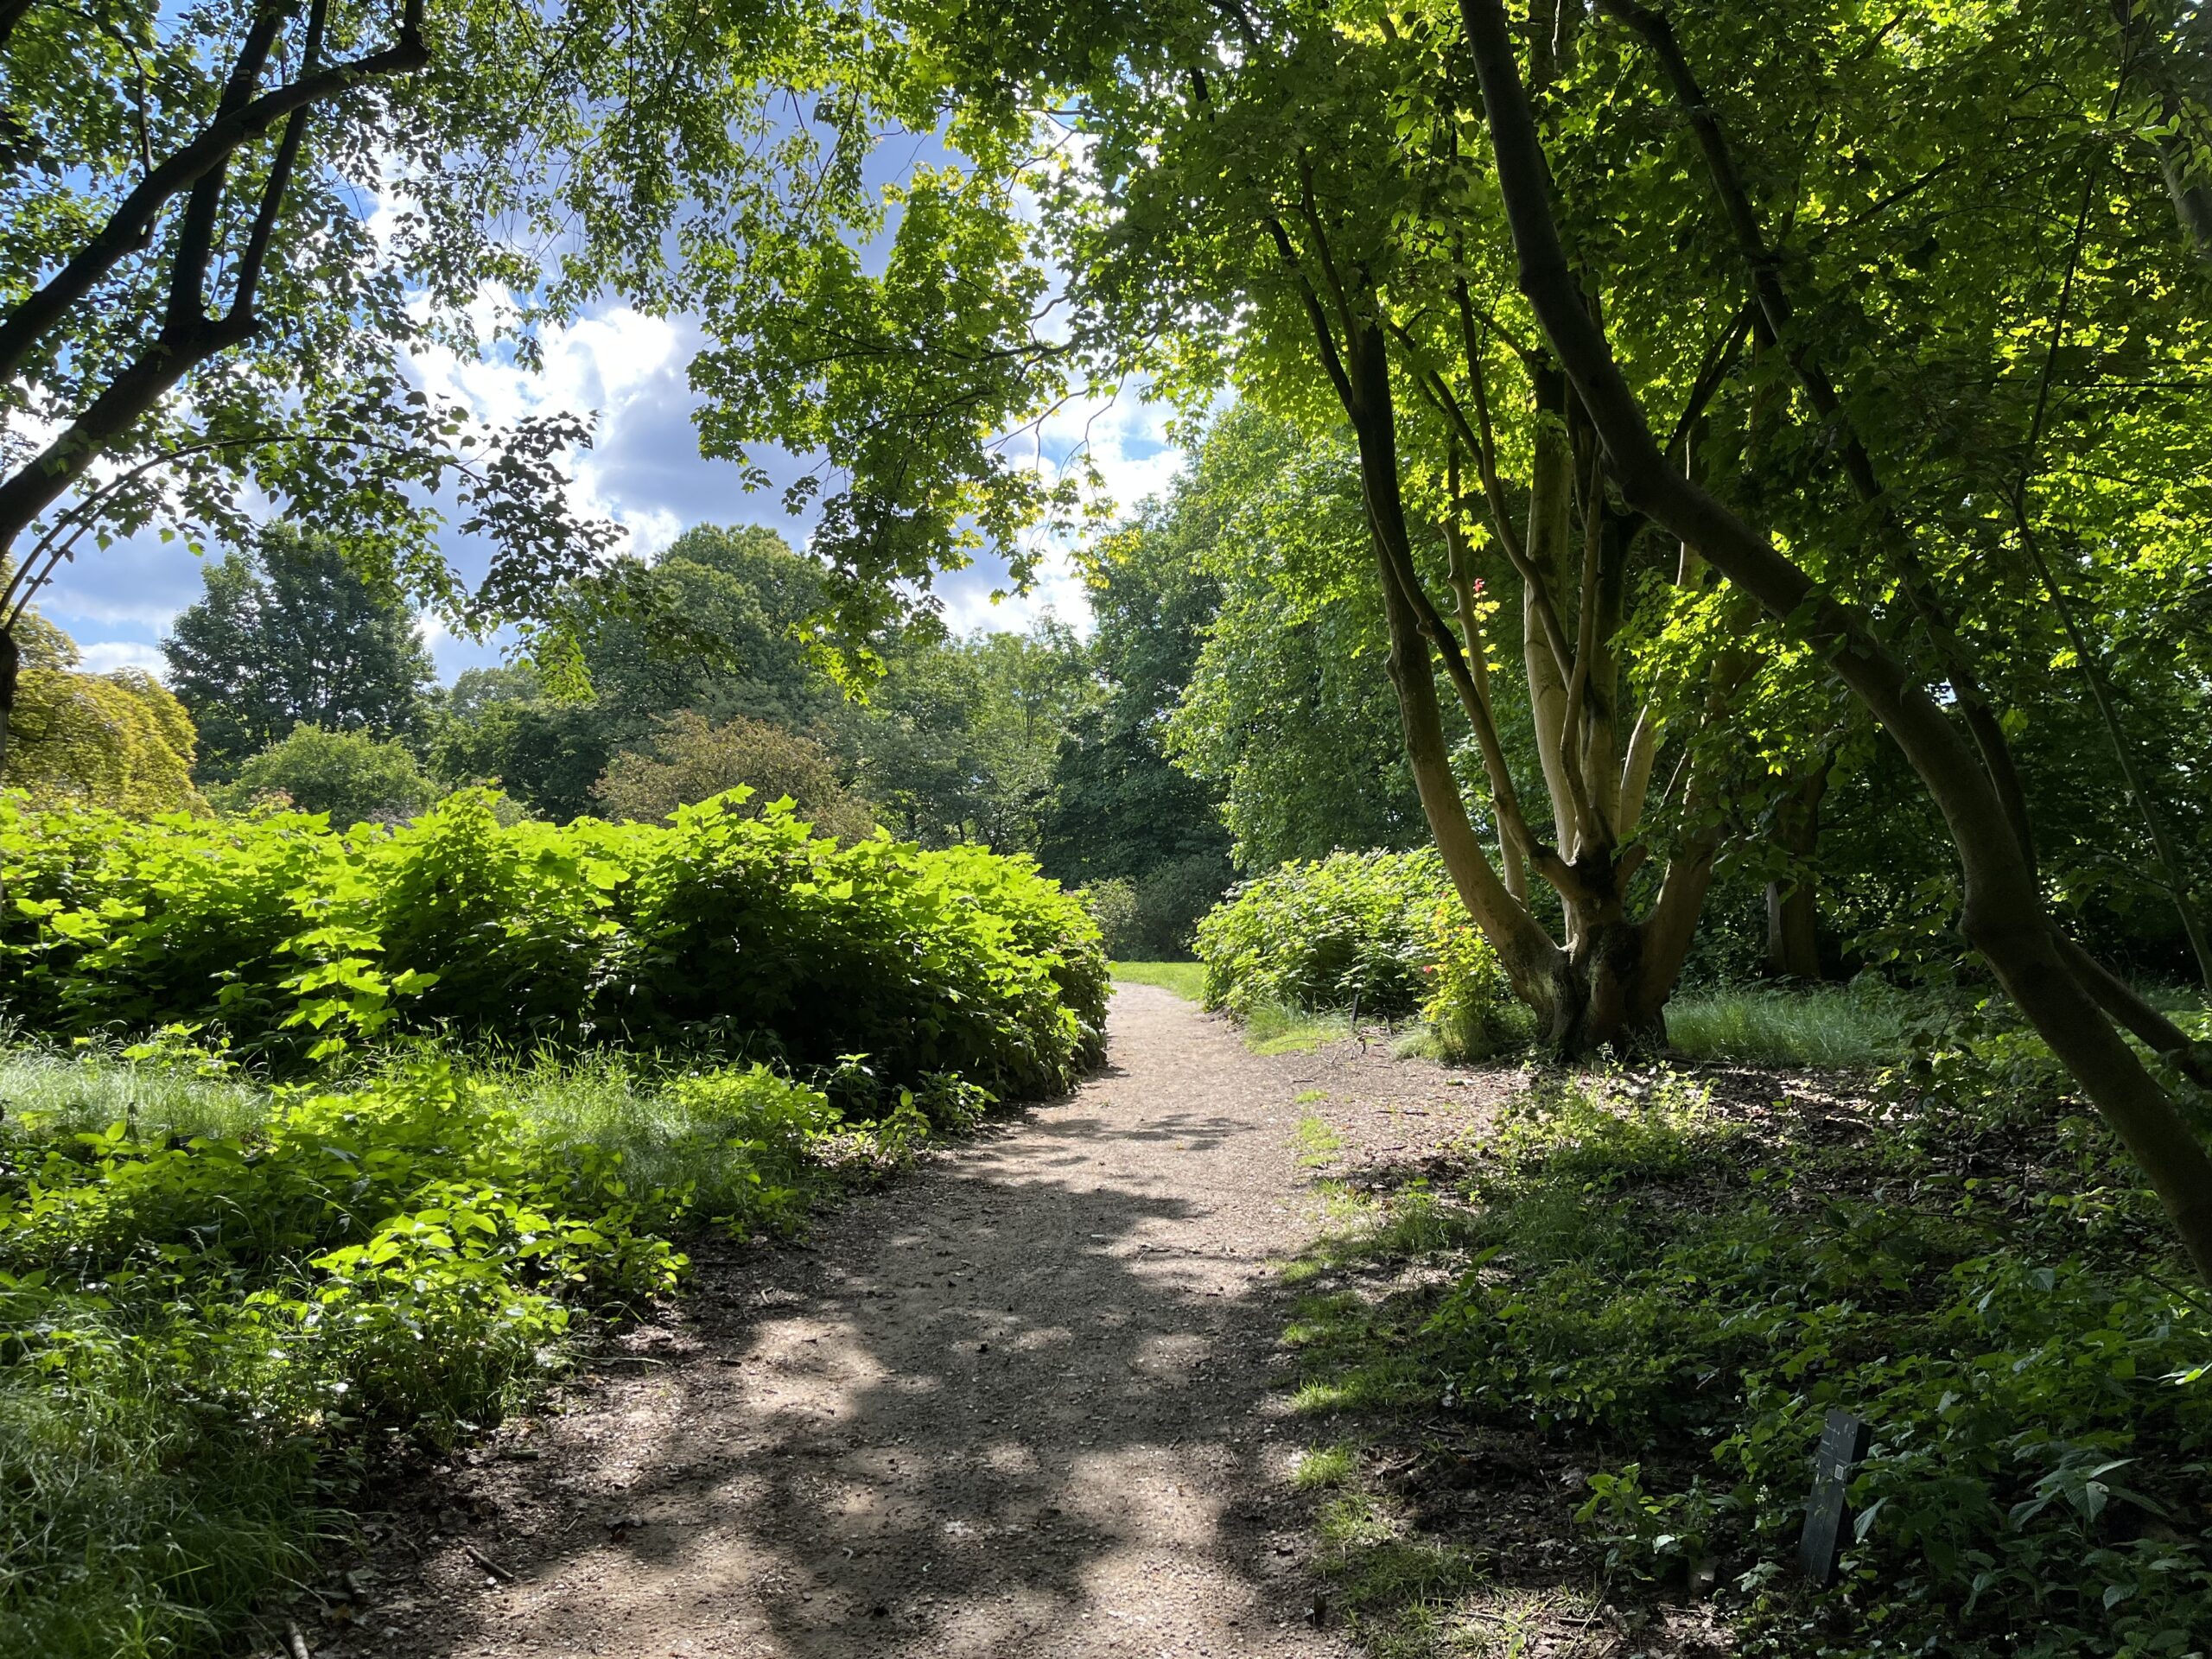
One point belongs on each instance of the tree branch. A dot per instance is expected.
(129, 227)
(2004, 914)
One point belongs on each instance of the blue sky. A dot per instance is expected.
(644, 472)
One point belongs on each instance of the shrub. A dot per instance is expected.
(198, 1330)
(1172, 898)
(722, 934)
(1381, 931)
(1112, 902)
(1325, 933)
(688, 760)
(348, 776)
(1470, 1005)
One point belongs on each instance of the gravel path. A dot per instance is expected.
(1018, 1404)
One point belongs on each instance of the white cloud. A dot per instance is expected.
(108, 655)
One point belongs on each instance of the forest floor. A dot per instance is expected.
(1031, 1401)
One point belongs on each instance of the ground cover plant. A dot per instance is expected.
(222, 1305)
(723, 934)
(1624, 1310)
(322, 1208)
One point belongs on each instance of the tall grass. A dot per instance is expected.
(1859, 1025)
(88, 1086)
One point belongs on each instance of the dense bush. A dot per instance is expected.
(1470, 1005)
(689, 759)
(1325, 933)
(722, 933)
(213, 1298)
(350, 776)
(1381, 931)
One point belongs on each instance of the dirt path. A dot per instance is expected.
(1019, 1404)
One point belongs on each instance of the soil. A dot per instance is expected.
(1025, 1401)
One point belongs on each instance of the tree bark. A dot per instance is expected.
(2003, 916)
(1792, 916)
(11, 662)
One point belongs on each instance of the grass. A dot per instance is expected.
(213, 1294)
(1271, 1029)
(1859, 1025)
(1186, 979)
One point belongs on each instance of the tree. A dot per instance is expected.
(1500, 284)
(288, 634)
(690, 759)
(1285, 713)
(354, 777)
(749, 600)
(115, 740)
(197, 311)
(959, 738)
(745, 600)
(2076, 1005)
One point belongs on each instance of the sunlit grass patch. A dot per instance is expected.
(1186, 979)
(1859, 1025)
(85, 1086)
(1323, 1467)
(1319, 1142)
(1273, 1028)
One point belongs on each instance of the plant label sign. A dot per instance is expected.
(1843, 1443)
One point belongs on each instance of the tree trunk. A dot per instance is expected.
(1602, 999)
(2005, 917)
(1792, 942)
(11, 662)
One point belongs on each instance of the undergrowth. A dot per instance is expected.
(220, 1303)
(1625, 1314)
(1862, 1025)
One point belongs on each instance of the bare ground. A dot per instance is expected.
(1022, 1403)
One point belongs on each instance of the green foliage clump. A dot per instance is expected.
(1112, 902)
(690, 759)
(723, 933)
(1378, 931)
(214, 1308)
(1681, 1294)
(1470, 1005)
(349, 777)
(1863, 1024)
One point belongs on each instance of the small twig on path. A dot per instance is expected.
(487, 1564)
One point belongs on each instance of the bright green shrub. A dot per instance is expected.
(350, 776)
(1323, 933)
(1112, 902)
(1470, 1004)
(721, 933)
(1382, 931)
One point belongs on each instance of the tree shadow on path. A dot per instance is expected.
(1018, 1405)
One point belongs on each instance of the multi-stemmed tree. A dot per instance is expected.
(1696, 377)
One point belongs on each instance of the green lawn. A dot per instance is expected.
(1186, 979)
